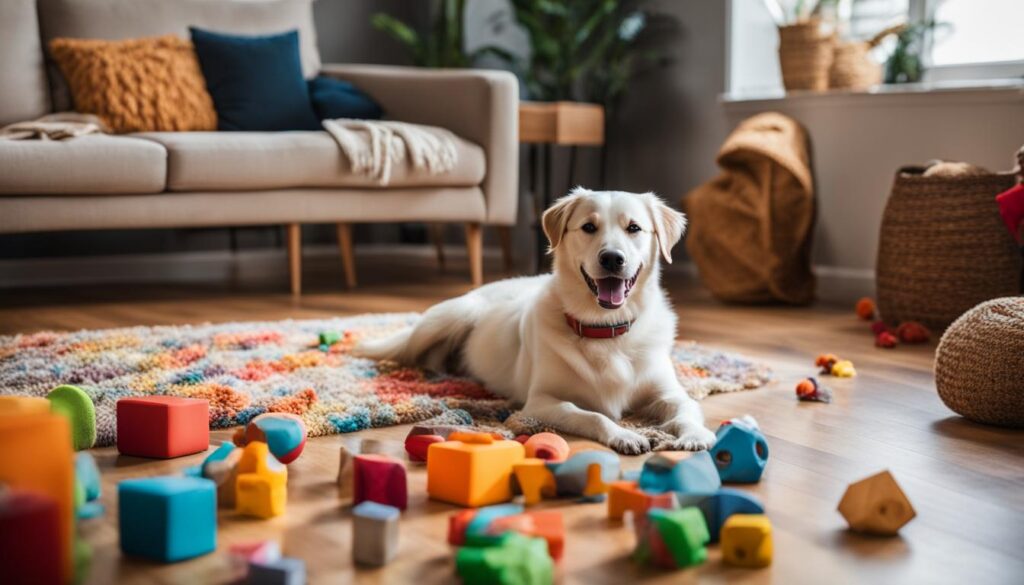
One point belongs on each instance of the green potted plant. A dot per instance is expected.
(443, 44)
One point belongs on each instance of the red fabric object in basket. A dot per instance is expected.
(1011, 207)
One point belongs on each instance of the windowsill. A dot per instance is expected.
(1013, 88)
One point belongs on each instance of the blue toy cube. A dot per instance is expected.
(168, 519)
(740, 453)
(679, 471)
(718, 506)
(284, 571)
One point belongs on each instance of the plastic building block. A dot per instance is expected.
(719, 506)
(283, 432)
(260, 551)
(535, 480)
(747, 541)
(167, 519)
(374, 533)
(485, 526)
(417, 446)
(876, 505)
(261, 488)
(740, 453)
(87, 481)
(346, 476)
(329, 337)
(75, 404)
(381, 479)
(671, 538)
(626, 496)
(514, 560)
(36, 455)
(30, 538)
(457, 525)
(546, 524)
(283, 571)
(472, 473)
(680, 471)
(221, 466)
(547, 446)
(23, 405)
(574, 478)
(162, 427)
(483, 518)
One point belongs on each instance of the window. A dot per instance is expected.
(980, 31)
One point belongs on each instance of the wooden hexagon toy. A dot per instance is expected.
(876, 505)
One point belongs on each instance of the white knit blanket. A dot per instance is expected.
(374, 147)
(59, 126)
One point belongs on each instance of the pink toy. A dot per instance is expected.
(381, 479)
(547, 446)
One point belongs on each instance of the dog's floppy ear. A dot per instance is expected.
(556, 217)
(669, 224)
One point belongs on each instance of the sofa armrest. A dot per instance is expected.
(478, 105)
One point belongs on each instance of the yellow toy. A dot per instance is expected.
(844, 369)
(747, 541)
(472, 469)
(261, 486)
(535, 480)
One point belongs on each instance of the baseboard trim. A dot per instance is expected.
(835, 284)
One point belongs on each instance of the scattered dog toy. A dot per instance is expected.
(876, 505)
(747, 541)
(879, 327)
(626, 496)
(87, 481)
(680, 471)
(261, 488)
(374, 533)
(809, 390)
(719, 506)
(886, 340)
(547, 446)
(31, 537)
(740, 452)
(145, 428)
(472, 469)
(381, 479)
(843, 369)
(535, 480)
(514, 559)
(221, 466)
(167, 519)
(283, 432)
(586, 473)
(913, 332)
(346, 476)
(73, 403)
(417, 446)
(327, 339)
(866, 309)
(825, 361)
(671, 539)
(283, 571)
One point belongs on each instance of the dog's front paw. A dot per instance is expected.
(628, 442)
(693, 437)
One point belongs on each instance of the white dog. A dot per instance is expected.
(582, 346)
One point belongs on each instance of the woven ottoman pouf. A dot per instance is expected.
(979, 365)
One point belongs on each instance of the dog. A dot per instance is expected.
(579, 347)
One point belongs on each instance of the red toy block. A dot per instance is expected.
(381, 479)
(162, 427)
(416, 446)
(457, 525)
(30, 539)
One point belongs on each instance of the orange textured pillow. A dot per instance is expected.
(137, 85)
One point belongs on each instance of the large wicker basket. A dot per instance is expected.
(942, 247)
(805, 55)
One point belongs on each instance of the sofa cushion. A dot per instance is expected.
(226, 161)
(95, 164)
(121, 19)
(22, 74)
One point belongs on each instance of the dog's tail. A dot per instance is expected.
(431, 343)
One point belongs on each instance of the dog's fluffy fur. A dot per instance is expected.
(512, 335)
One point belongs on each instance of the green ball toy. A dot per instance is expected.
(73, 403)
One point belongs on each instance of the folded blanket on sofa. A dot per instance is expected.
(373, 147)
(59, 126)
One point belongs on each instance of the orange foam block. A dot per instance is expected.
(472, 469)
(546, 524)
(23, 405)
(627, 496)
(535, 480)
(36, 455)
(262, 483)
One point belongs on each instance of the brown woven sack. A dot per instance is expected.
(979, 365)
(805, 55)
(750, 228)
(943, 248)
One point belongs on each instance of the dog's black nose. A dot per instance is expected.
(612, 260)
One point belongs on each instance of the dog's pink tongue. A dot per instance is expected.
(611, 290)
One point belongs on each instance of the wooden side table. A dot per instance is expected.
(543, 125)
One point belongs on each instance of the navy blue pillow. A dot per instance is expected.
(256, 82)
(334, 98)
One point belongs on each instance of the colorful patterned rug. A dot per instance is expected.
(245, 369)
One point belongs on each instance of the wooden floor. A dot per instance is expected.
(966, 480)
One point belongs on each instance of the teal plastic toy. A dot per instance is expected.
(88, 488)
(694, 474)
(571, 474)
(514, 559)
(717, 507)
(73, 403)
(740, 453)
(167, 519)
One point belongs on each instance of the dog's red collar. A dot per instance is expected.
(597, 331)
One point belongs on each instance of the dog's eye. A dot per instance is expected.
(589, 228)
(633, 228)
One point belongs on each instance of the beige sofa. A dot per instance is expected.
(168, 180)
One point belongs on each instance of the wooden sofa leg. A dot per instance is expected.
(295, 257)
(437, 238)
(348, 261)
(505, 237)
(475, 250)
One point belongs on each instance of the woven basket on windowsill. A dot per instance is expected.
(805, 55)
(852, 65)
